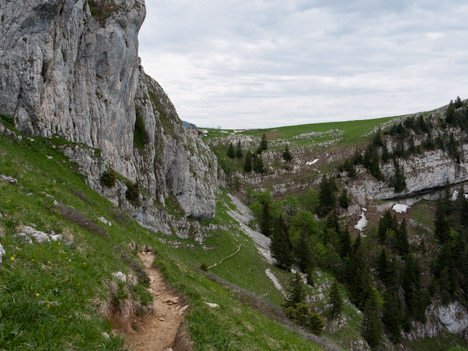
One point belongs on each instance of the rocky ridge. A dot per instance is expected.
(71, 69)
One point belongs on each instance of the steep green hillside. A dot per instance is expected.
(52, 294)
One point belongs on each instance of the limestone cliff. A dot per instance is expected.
(70, 68)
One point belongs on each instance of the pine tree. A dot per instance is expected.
(327, 200)
(265, 223)
(385, 223)
(458, 102)
(239, 153)
(286, 154)
(303, 252)
(335, 300)
(248, 162)
(398, 180)
(450, 113)
(230, 151)
(371, 328)
(382, 265)
(280, 245)
(345, 243)
(296, 293)
(258, 164)
(401, 241)
(378, 138)
(393, 315)
(442, 228)
(344, 200)
(263, 144)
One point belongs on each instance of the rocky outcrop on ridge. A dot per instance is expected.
(71, 69)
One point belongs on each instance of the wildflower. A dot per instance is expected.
(12, 258)
(84, 262)
(32, 259)
(37, 294)
(48, 262)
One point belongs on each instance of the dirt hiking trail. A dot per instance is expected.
(156, 331)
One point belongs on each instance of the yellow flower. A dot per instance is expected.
(12, 258)
(48, 306)
(37, 294)
(32, 259)
(48, 262)
(84, 262)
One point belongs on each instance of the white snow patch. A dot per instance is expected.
(361, 224)
(310, 163)
(275, 281)
(400, 208)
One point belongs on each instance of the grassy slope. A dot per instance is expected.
(49, 292)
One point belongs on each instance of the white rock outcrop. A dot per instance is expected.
(2, 253)
(71, 68)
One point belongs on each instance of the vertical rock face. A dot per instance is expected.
(71, 68)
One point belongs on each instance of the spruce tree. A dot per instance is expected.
(239, 152)
(442, 228)
(386, 222)
(371, 328)
(382, 265)
(258, 164)
(303, 253)
(378, 138)
(286, 154)
(248, 162)
(230, 151)
(401, 239)
(345, 243)
(263, 144)
(265, 223)
(280, 245)
(296, 293)
(398, 180)
(344, 199)
(327, 200)
(393, 315)
(450, 113)
(335, 300)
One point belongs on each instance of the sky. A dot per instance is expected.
(269, 63)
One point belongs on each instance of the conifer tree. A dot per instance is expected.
(296, 293)
(392, 315)
(265, 223)
(450, 113)
(335, 300)
(401, 241)
(263, 144)
(371, 328)
(386, 222)
(327, 200)
(239, 152)
(280, 245)
(382, 265)
(442, 228)
(230, 151)
(398, 180)
(458, 102)
(248, 162)
(345, 243)
(303, 252)
(258, 164)
(377, 142)
(286, 154)
(344, 199)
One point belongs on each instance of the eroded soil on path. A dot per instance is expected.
(155, 331)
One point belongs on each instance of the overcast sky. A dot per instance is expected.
(249, 64)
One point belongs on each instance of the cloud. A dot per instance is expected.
(273, 62)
